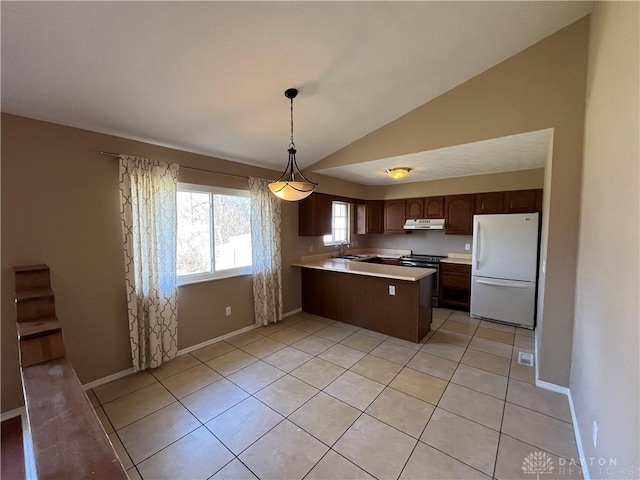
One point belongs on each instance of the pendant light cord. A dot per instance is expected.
(292, 145)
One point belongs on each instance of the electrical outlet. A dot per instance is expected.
(311, 248)
(467, 246)
(595, 434)
(227, 311)
(392, 289)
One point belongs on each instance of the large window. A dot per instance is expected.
(214, 233)
(339, 224)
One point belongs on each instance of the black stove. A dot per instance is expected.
(425, 261)
(417, 260)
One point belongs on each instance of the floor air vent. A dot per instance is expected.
(525, 358)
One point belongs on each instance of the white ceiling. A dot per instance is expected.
(209, 77)
(505, 154)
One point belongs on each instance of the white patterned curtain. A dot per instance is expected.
(149, 231)
(265, 247)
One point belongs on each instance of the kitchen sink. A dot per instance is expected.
(354, 257)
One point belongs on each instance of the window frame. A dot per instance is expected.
(333, 242)
(192, 278)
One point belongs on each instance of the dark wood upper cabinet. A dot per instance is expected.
(458, 214)
(370, 217)
(539, 200)
(492, 202)
(433, 207)
(380, 216)
(394, 211)
(314, 215)
(414, 208)
(520, 201)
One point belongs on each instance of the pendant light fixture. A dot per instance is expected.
(398, 173)
(292, 184)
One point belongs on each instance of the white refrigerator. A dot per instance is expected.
(504, 269)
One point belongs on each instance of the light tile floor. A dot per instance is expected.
(317, 399)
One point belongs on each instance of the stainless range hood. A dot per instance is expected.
(424, 224)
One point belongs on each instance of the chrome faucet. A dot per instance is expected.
(342, 248)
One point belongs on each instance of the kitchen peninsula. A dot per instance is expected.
(388, 299)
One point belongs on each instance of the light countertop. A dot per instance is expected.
(457, 258)
(369, 269)
(374, 252)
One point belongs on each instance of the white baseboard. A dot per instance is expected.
(16, 412)
(129, 371)
(193, 348)
(576, 428)
(291, 312)
(574, 420)
(107, 379)
(576, 431)
(541, 383)
(552, 386)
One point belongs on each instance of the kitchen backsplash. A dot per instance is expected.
(424, 242)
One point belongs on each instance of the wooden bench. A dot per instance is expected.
(67, 436)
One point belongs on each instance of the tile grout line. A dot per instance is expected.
(434, 410)
(389, 386)
(437, 406)
(504, 408)
(175, 441)
(184, 406)
(284, 417)
(362, 412)
(158, 380)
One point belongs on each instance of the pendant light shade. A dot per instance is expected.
(292, 184)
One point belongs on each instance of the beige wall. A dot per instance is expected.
(541, 87)
(60, 207)
(605, 374)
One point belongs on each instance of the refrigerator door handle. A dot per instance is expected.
(495, 284)
(477, 246)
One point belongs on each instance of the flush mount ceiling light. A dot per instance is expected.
(292, 184)
(398, 173)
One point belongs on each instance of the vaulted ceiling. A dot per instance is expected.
(209, 77)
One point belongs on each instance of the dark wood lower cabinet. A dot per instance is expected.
(455, 286)
(364, 301)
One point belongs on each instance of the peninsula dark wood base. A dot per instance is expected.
(364, 301)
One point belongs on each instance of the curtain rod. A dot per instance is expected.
(111, 154)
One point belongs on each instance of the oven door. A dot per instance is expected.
(436, 282)
(436, 276)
